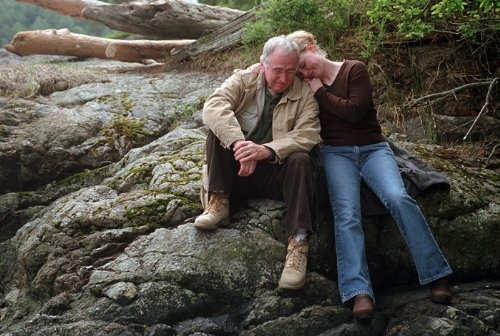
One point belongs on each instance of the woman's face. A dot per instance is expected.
(310, 64)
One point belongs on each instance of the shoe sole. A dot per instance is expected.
(205, 227)
(441, 299)
(364, 318)
(222, 223)
(287, 286)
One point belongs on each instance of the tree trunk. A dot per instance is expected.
(168, 19)
(71, 8)
(220, 39)
(63, 42)
(219, 28)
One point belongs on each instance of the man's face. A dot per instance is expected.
(280, 71)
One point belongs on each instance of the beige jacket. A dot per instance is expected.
(233, 110)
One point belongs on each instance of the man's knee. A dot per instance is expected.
(300, 160)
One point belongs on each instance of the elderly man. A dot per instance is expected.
(262, 127)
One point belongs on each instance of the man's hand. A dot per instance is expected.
(247, 168)
(248, 154)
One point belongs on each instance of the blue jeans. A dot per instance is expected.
(345, 166)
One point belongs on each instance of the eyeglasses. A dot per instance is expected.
(279, 72)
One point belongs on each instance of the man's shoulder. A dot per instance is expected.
(299, 89)
(245, 75)
(241, 78)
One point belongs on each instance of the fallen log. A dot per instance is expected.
(168, 19)
(63, 42)
(71, 8)
(222, 38)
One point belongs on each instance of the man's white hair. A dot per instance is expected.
(282, 43)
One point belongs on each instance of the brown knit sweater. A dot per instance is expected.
(347, 112)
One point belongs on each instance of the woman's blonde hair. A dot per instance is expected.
(303, 38)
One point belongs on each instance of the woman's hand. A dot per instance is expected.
(314, 84)
(255, 68)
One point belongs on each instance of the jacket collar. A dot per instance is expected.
(295, 91)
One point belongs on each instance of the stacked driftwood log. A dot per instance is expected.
(184, 30)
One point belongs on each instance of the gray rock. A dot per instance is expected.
(104, 245)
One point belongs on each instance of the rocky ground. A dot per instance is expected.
(99, 188)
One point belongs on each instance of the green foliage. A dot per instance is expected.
(416, 18)
(446, 8)
(324, 18)
(329, 20)
(405, 14)
(473, 19)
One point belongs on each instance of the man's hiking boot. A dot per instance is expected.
(294, 273)
(216, 213)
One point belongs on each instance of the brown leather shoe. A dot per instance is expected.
(363, 308)
(440, 291)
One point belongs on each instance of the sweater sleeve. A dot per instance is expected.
(350, 95)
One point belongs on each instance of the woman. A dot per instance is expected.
(353, 150)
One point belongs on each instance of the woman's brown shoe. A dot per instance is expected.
(440, 291)
(363, 308)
